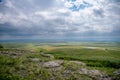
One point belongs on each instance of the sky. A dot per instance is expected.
(58, 19)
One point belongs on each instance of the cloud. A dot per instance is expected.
(59, 18)
(98, 12)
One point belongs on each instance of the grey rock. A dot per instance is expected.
(117, 72)
(83, 71)
(52, 64)
(116, 75)
(55, 69)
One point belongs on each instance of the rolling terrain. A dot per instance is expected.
(60, 61)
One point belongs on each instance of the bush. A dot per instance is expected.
(100, 63)
(1, 46)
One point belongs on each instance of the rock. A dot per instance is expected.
(95, 73)
(35, 59)
(55, 69)
(117, 72)
(78, 62)
(52, 64)
(116, 75)
(98, 75)
(68, 72)
(83, 71)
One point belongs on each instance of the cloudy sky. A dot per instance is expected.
(36, 19)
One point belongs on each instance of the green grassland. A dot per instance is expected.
(94, 57)
(23, 61)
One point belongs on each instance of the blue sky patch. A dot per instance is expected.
(74, 8)
(81, 6)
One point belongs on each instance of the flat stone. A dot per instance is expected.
(52, 64)
(90, 72)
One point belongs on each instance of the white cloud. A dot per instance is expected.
(59, 19)
(9, 4)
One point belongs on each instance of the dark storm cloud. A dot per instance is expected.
(7, 29)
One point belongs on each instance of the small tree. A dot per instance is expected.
(1, 46)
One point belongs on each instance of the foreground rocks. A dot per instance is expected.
(75, 69)
(57, 65)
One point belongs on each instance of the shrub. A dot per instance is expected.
(1, 46)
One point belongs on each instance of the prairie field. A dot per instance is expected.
(60, 61)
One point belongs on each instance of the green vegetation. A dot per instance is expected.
(20, 67)
(1, 46)
(92, 57)
(25, 61)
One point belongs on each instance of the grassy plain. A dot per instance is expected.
(16, 60)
